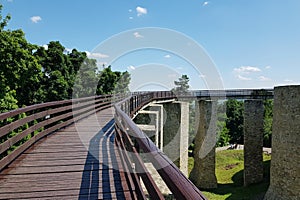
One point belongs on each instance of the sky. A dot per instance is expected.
(217, 43)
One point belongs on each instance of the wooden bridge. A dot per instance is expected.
(85, 148)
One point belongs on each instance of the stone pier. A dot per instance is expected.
(175, 130)
(203, 174)
(285, 163)
(253, 141)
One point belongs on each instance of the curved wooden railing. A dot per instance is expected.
(23, 127)
(177, 182)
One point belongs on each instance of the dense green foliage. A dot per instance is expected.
(31, 74)
(268, 121)
(235, 121)
(113, 82)
(223, 137)
(230, 123)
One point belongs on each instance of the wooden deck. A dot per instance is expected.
(78, 162)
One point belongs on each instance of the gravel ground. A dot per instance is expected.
(241, 147)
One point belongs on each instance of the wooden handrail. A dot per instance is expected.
(178, 183)
(43, 119)
(150, 185)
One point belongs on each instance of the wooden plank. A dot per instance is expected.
(70, 194)
(57, 166)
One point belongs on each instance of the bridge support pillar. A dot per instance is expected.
(253, 141)
(203, 174)
(154, 127)
(285, 176)
(176, 136)
(159, 108)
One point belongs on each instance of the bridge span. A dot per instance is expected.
(74, 149)
(88, 148)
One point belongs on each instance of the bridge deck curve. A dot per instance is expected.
(78, 162)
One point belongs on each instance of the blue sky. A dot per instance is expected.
(253, 44)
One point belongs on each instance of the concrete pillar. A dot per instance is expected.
(203, 174)
(176, 133)
(159, 108)
(184, 137)
(253, 141)
(285, 163)
(151, 122)
(153, 128)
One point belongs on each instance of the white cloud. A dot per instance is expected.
(131, 67)
(130, 18)
(202, 76)
(288, 81)
(268, 67)
(263, 78)
(96, 55)
(35, 19)
(167, 56)
(130, 10)
(243, 78)
(141, 11)
(205, 3)
(137, 35)
(246, 69)
(45, 46)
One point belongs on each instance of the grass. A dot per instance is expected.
(229, 172)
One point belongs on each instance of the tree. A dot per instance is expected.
(223, 137)
(182, 85)
(86, 79)
(235, 120)
(19, 68)
(122, 85)
(3, 22)
(31, 74)
(7, 100)
(268, 121)
(112, 82)
(58, 72)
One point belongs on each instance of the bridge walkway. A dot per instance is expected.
(80, 161)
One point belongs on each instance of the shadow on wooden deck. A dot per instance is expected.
(101, 170)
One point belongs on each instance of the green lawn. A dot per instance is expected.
(229, 172)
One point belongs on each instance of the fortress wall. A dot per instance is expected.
(285, 163)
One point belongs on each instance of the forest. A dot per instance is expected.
(31, 74)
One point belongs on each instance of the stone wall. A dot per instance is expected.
(285, 163)
(203, 173)
(253, 141)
